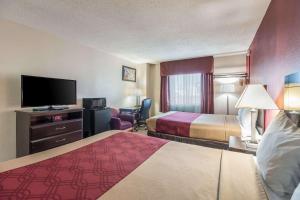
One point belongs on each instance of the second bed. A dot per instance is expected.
(213, 129)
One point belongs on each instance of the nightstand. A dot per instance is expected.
(236, 144)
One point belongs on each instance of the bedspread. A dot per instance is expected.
(158, 170)
(195, 125)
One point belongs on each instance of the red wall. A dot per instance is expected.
(275, 50)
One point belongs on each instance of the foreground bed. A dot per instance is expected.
(130, 166)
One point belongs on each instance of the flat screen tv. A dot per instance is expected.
(42, 91)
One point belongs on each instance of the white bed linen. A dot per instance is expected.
(240, 179)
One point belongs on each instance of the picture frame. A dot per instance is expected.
(128, 74)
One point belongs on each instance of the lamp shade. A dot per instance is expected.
(292, 98)
(292, 92)
(255, 96)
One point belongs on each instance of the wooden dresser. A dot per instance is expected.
(39, 131)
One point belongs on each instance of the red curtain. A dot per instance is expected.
(188, 66)
(207, 98)
(203, 65)
(164, 94)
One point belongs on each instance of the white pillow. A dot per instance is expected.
(278, 155)
(296, 195)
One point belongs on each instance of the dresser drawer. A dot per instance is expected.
(54, 141)
(47, 130)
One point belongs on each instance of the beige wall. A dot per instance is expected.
(153, 86)
(24, 50)
(230, 64)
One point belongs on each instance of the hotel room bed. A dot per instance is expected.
(129, 166)
(214, 128)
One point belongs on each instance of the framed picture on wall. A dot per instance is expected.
(128, 74)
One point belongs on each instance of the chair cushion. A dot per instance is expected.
(127, 117)
(125, 125)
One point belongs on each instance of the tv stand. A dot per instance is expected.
(39, 131)
(50, 108)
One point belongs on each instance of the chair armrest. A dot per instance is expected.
(127, 117)
(115, 123)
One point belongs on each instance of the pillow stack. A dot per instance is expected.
(278, 156)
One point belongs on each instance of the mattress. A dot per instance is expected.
(204, 126)
(170, 171)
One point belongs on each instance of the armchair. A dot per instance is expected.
(121, 121)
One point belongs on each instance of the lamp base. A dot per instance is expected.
(138, 101)
(251, 144)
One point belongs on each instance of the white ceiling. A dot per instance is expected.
(145, 30)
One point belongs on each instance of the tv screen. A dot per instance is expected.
(41, 91)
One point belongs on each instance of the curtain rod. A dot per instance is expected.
(230, 75)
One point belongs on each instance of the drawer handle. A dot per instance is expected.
(60, 128)
(61, 140)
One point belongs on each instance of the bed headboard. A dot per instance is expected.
(260, 124)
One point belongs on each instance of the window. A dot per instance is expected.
(185, 92)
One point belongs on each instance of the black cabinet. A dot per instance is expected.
(96, 121)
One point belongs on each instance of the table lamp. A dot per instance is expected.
(292, 93)
(255, 97)
(138, 93)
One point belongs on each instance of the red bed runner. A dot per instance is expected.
(176, 124)
(85, 173)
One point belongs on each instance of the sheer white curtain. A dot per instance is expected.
(185, 92)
